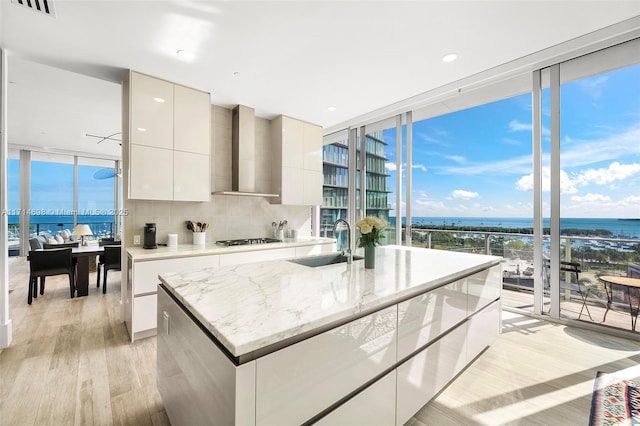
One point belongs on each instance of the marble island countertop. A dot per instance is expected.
(252, 306)
(138, 253)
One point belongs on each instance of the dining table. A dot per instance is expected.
(629, 284)
(82, 255)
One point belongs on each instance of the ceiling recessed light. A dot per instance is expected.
(450, 57)
(185, 54)
(236, 73)
(142, 129)
(332, 108)
(159, 100)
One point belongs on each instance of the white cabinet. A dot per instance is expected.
(143, 286)
(289, 392)
(188, 170)
(425, 317)
(424, 375)
(191, 120)
(150, 173)
(169, 141)
(151, 111)
(483, 329)
(484, 288)
(296, 161)
(374, 406)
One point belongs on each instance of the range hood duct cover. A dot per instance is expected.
(243, 153)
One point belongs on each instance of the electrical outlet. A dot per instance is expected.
(136, 240)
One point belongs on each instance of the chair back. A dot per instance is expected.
(573, 267)
(35, 244)
(51, 262)
(112, 257)
(109, 242)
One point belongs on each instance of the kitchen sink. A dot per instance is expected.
(328, 259)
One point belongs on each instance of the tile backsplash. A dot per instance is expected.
(229, 217)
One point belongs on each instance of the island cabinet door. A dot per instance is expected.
(422, 376)
(374, 406)
(483, 329)
(300, 381)
(425, 317)
(484, 287)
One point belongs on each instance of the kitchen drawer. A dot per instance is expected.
(257, 256)
(483, 329)
(424, 375)
(427, 316)
(144, 313)
(374, 406)
(145, 274)
(327, 366)
(484, 287)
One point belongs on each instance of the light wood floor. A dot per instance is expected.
(70, 362)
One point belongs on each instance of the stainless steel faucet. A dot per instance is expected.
(348, 254)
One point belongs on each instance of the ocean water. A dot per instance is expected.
(99, 224)
(620, 228)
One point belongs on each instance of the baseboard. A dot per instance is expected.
(6, 331)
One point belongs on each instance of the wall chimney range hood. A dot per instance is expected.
(243, 154)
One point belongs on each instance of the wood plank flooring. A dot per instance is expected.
(71, 363)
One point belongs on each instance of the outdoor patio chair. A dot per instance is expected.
(582, 289)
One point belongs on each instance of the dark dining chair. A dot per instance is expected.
(110, 260)
(47, 263)
(104, 242)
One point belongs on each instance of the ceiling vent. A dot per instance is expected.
(41, 6)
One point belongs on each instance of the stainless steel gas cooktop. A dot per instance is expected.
(245, 241)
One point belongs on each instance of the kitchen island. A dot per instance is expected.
(280, 343)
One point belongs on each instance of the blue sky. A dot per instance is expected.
(478, 162)
(52, 188)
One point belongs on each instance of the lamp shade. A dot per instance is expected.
(82, 230)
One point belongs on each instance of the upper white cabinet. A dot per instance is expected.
(296, 162)
(191, 120)
(169, 140)
(151, 111)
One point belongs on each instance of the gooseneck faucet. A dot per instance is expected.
(348, 254)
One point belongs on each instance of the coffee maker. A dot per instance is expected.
(150, 236)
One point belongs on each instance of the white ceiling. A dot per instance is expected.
(295, 58)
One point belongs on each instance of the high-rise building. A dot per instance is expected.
(336, 182)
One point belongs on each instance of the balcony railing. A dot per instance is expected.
(597, 257)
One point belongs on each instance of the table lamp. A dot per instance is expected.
(82, 230)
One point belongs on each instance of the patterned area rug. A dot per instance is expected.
(615, 401)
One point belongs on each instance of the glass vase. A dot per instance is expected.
(369, 257)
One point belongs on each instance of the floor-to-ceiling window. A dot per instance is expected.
(96, 195)
(52, 191)
(599, 180)
(13, 202)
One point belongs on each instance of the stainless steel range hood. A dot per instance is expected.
(243, 154)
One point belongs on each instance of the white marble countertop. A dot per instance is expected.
(138, 253)
(251, 306)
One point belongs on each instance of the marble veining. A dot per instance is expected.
(188, 250)
(251, 306)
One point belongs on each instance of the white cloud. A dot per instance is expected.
(633, 200)
(516, 126)
(418, 166)
(525, 183)
(591, 198)
(614, 172)
(593, 86)
(390, 167)
(456, 158)
(461, 194)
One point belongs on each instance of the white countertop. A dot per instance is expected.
(138, 253)
(251, 306)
